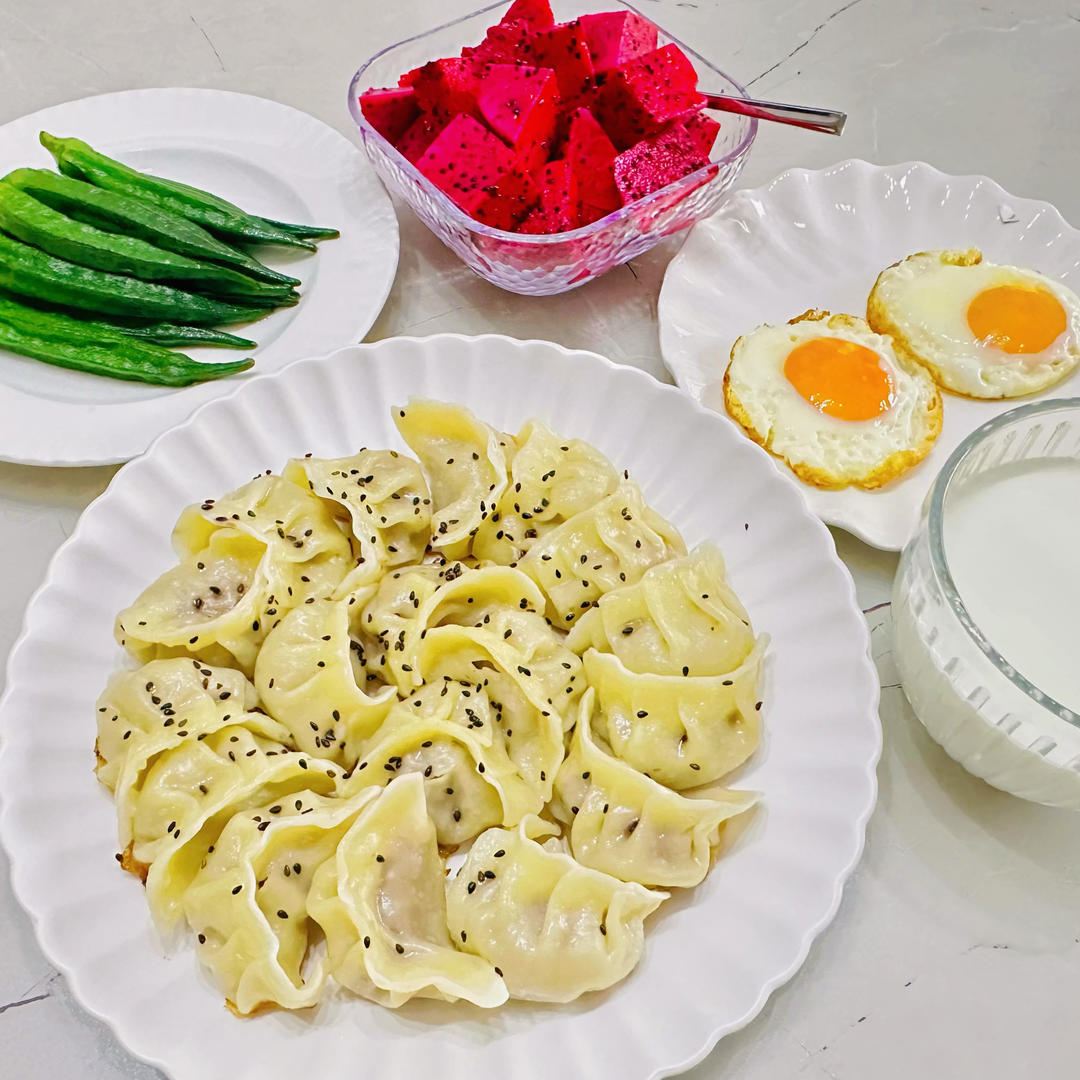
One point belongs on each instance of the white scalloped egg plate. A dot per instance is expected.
(712, 956)
(269, 158)
(819, 239)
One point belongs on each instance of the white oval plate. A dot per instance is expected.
(269, 158)
(712, 956)
(819, 240)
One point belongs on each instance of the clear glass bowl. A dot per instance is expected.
(545, 265)
(986, 714)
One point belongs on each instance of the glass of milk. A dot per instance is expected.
(986, 604)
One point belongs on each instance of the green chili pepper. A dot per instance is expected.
(24, 217)
(112, 212)
(56, 339)
(76, 158)
(29, 272)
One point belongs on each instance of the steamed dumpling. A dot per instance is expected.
(249, 902)
(381, 497)
(380, 901)
(611, 544)
(446, 733)
(631, 827)
(551, 480)
(681, 618)
(553, 928)
(682, 731)
(177, 699)
(311, 676)
(188, 794)
(466, 464)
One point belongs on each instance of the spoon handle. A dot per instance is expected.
(828, 121)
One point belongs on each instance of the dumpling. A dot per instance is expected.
(466, 464)
(188, 794)
(445, 732)
(306, 546)
(381, 904)
(212, 606)
(244, 562)
(551, 480)
(681, 618)
(553, 929)
(631, 827)
(249, 903)
(178, 695)
(311, 676)
(411, 603)
(611, 544)
(682, 731)
(383, 499)
(531, 690)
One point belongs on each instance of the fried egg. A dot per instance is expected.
(982, 330)
(833, 400)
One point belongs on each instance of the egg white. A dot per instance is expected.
(824, 450)
(922, 304)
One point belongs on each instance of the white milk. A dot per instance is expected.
(1012, 541)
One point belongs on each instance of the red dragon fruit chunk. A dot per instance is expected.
(537, 13)
(614, 37)
(444, 88)
(506, 43)
(479, 173)
(420, 135)
(704, 130)
(591, 157)
(518, 104)
(563, 49)
(658, 161)
(390, 112)
(638, 98)
(559, 210)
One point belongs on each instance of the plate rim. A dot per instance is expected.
(243, 99)
(763, 191)
(867, 670)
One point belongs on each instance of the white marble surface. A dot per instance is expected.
(956, 952)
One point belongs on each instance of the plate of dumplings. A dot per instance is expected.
(381, 710)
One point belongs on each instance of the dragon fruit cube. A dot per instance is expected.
(640, 97)
(479, 173)
(614, 37)
(518, 104)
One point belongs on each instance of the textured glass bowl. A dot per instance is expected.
(544, 265)
(985, 713)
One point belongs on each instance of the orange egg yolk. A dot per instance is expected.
(841, 378)
(1016, 319)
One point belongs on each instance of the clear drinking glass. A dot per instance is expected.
(988, 715)
(544, 265)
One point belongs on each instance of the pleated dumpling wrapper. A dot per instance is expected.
(554, 929)
(380, 901)
(631, 827)
(249, 902)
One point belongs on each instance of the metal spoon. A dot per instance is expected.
(828, 121)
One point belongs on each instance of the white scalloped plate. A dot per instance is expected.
(712, 957)
(269, 158)
(819, 240)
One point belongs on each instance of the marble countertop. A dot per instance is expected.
(956, 951)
